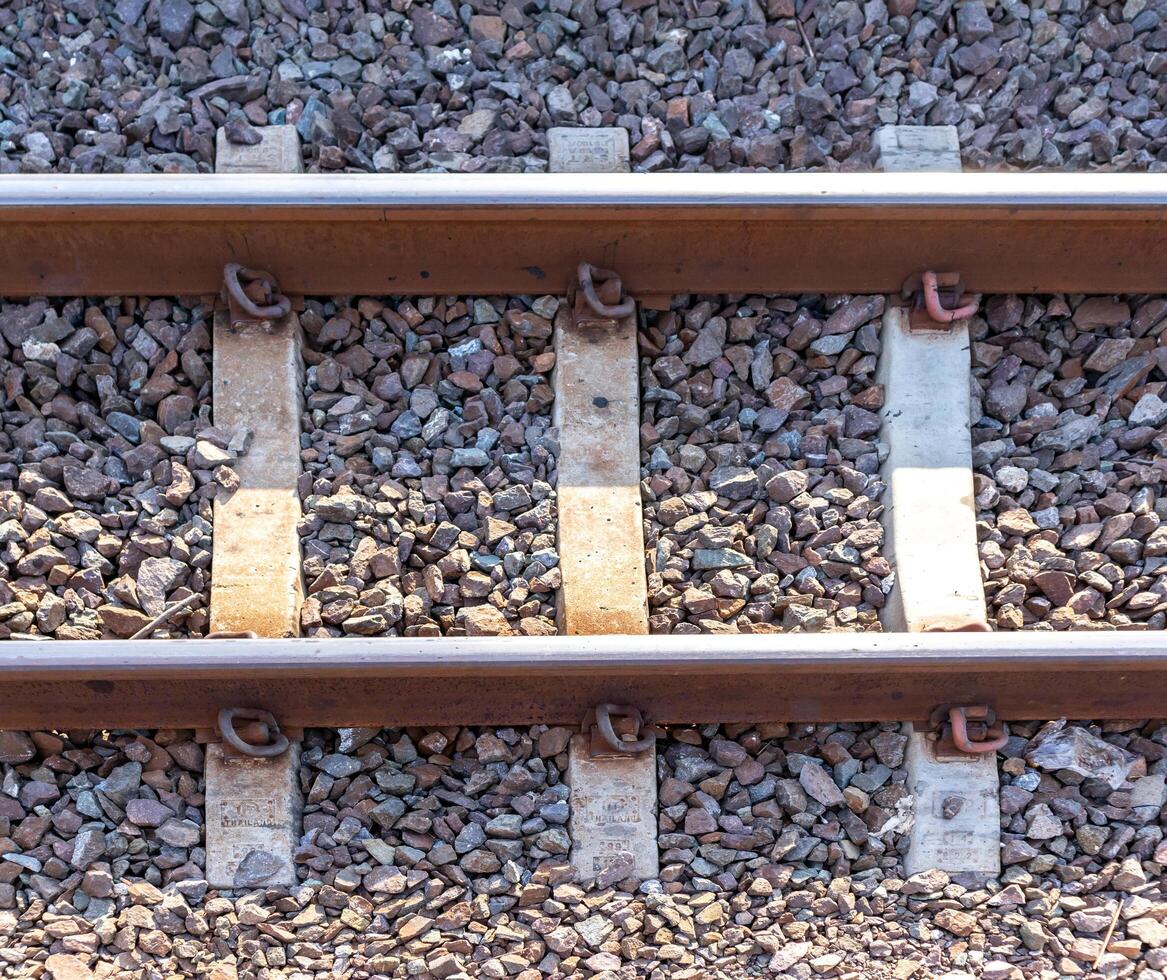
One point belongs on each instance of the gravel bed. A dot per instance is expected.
(443, 853)
(825, 800)
(108, 466)
(759, 464)
(1069, 433)
(429, 458)
(1095, 849)
(141, 85)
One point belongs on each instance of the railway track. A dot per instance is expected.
(664, 234)
(494, 452)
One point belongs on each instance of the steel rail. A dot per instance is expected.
(522, 233)
(521, 680)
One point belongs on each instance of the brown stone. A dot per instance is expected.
(957, 922)
(786, 395)
(1101, 311)
(1059, 586)
(488, 28)
(1109, 353)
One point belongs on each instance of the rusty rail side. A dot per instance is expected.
(508, 233)
(524, 680)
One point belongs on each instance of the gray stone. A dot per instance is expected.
(122, 783)
(338, 765)
(819, 785)
(147, 813)
(734, 482)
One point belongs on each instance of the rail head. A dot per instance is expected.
(60, 194)
(624, 654)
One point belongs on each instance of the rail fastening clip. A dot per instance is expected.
(926, 295)
(969, 728)
(269, 740)
(617, 729)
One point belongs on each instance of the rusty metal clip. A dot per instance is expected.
(609, 305)
(936, 309)
(604, 737)
(268, 730)
(232, 635)
(256, 302)
(971, 728)
(928, 311)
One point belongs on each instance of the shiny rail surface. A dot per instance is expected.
(62, 192)
(525, 680)
(524, 233)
